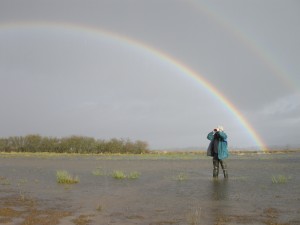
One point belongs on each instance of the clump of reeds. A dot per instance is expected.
(63, 177)
(280, 179)
(97, 172)
(194, 217)
(4, 181)
(118, 174)
(99, 208)
(180, 177)
(134, 175)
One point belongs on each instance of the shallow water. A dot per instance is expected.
(168, 191)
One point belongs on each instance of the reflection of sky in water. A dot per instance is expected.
(156, 196)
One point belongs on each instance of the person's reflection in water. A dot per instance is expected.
(219, 189)
(219, 197)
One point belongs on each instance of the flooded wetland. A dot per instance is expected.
(149, 189)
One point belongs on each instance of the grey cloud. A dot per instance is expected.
(61, 82)
(284, 106)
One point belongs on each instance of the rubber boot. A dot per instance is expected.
(224, 168)
(225, 174)
(215, 173)
(216, 168)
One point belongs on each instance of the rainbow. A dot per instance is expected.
(182, 68)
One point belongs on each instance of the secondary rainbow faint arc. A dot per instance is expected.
(252, 46)
(157, 53)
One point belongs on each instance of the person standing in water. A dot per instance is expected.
(218, 150)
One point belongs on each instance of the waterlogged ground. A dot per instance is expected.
(174, 189)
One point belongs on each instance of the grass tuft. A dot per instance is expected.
(4, 181)
(99, 208)
(118, 174)
(194, 217)
(134, 175)
(280, 179)
(180, 177)
(97, 172)
(63, 177)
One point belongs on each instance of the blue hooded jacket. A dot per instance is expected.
(222, 146)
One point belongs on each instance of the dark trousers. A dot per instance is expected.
(216, 162)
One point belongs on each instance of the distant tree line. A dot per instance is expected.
(72, 144)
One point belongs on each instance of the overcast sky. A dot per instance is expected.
(60, 81)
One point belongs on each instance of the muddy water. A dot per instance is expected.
(168, 191)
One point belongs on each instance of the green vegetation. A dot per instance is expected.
(180, 177)
(194, 217)
(99, 208)
(63, 177)
(241, 178)
(72, 144)
(108, 156)
(134, 175)
(118, 174)
(4, 181)
(280, 179)
(97, 172)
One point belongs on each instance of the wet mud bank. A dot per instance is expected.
(261, 189)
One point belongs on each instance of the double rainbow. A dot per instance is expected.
(166, 58)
